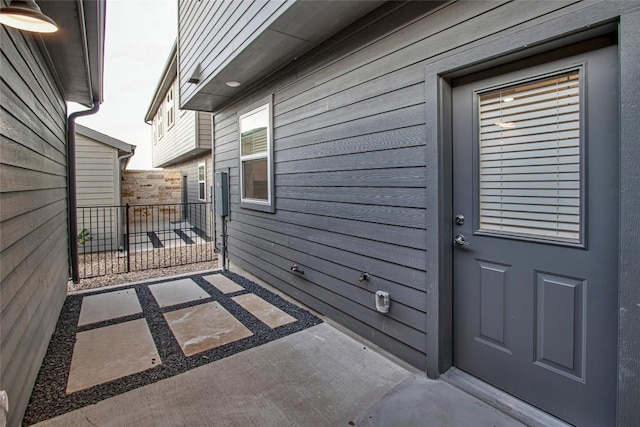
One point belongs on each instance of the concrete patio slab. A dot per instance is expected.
(223, 284)
(112, 305)
(267, 313)
(176, 292)
(205, 326)
(420, 402)
(108, 353)
(316, 377)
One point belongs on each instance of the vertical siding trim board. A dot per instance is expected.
(196, 123)
(555, 31)
(629, 291)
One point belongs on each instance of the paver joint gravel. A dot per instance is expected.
(49, 397)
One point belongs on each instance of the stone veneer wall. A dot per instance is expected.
(151, 187)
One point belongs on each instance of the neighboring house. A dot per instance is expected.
(100, 161)
(40, 73)
(182, 141)
(365, 137)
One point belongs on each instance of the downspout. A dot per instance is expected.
(71, 185)
(121, 170)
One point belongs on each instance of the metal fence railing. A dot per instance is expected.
(120, 239)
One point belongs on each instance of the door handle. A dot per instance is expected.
(460, 241)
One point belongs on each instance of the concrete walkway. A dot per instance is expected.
(315, 377)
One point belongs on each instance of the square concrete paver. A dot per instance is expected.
(224, 284)
(109, 353)
(177, 292)
(268, 314)
(112, 305)
(205, 326)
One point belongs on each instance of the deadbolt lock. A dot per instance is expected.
(459, 219)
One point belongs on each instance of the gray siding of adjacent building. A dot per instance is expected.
(33, 213)
(97, 172)
(98, 188)
(205, 131)
(190, 135)
(198, 217)
(350, 162)
(178, 140)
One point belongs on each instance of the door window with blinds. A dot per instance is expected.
(255, 158)
(530, 160)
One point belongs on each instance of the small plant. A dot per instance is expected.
(84, 236)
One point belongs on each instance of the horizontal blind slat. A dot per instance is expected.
(551, 184)
(514, 207)
(543, 145)
(561, 201)
(533, 177)
(561, 106)
(530, 159)
(499, 133)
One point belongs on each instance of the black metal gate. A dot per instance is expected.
(120, 239)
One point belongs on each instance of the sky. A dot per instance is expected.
(138, 40)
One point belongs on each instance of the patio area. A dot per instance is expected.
(218, 349)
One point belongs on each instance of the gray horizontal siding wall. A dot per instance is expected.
(178, 140)
(211, 33)
(204, 130)
(96, 173)
(97, 185)
(33, 214)
(350, 166)
(190, 170)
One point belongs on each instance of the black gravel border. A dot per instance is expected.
(49, 399)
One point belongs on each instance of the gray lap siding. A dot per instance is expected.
(350, 165)
(33, 213)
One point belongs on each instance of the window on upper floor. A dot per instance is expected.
(154, 130)
(256, 159)
(160, 130)
(170, 107)
(202, 181)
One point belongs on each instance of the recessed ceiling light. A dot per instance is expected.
(233, 83)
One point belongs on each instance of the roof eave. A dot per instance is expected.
(104, 139)
(168, 76)
(298, 29)
(76, 50)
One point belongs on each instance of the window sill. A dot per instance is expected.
(261, 207)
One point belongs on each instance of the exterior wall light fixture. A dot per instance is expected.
(26, 15)
(195, 76)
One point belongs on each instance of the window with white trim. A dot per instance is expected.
(160, 131)
(256, 169)
(171, 115)
(154, 130)
(530, 159)
(202, 181)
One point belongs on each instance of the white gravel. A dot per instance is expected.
(144, 265)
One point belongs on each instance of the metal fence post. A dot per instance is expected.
(127, 238)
